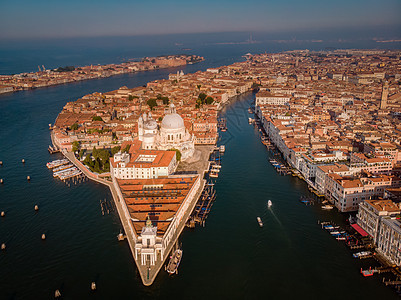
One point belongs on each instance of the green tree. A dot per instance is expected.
(97, 118)
(199, 86)
(104, 155)
(115, 150)
(209, 100)
(88, 161)
(202, 97)
(95, 153)
(75, 146)
(177, 153)
(152, 103)
(81, 153)
(74, 126)
(96, 167)
(164, 99)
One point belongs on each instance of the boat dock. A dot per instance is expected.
(202, 207)
(53, 149)
(64, 170)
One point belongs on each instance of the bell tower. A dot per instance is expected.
(383, 101)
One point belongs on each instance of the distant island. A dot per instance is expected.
(60, 75)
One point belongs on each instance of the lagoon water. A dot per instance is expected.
(231, 257)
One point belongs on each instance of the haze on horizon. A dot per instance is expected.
(25, 19)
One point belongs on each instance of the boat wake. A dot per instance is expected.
(274, 215)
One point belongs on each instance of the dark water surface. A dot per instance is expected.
(290, 257)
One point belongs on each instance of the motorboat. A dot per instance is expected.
(260, 221)
(361, 254)
(174, 262)
(269, 203)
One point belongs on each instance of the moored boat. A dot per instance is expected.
(327, 207)
(361, 254)
(213, 174)
(174, 262)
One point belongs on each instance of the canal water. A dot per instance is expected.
(231, 257)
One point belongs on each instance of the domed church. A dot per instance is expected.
(172, 133)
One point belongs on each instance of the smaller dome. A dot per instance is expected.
(150, 124)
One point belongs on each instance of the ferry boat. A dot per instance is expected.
(70, 175)
(65, 171)
(56, 163)
(361, 254)
(260, 221)
(269, 203)
(63, 167)
(174, 262)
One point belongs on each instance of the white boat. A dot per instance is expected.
(216, 166)
(260, 221)
(214, 169)
(269, 203)
(327, 207)
(361, 254)
(56, 163)
(222, 148)
(213, 174)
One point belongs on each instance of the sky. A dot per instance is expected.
(27, 19)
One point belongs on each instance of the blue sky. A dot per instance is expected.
(21, 19)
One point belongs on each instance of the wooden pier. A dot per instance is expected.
(202, 208)
(53, 149)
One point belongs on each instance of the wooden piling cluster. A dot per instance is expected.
(105, 206)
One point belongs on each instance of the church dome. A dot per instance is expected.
(172, 121)
(150, 124)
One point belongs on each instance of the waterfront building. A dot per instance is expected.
(155, 210)
(389, 242)
(265, 97)
(142, 163)
(322, 173)
(309, 162)
(347, 192)
(380, 219)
